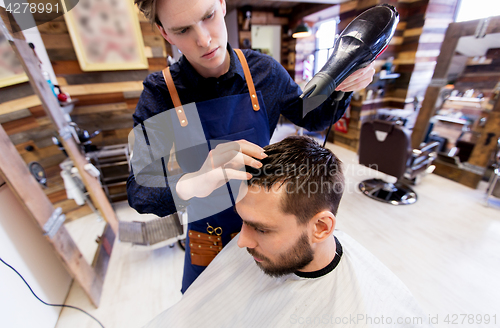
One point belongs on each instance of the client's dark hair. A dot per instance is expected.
(312, 176)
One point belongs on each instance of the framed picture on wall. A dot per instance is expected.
(106, 35)
(11, 70)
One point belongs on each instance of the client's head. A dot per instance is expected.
(289, 210)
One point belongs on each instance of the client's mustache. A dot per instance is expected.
(256, 254)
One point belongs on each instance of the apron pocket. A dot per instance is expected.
(203, 247)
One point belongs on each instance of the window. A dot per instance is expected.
(477, 9)
(325, 38)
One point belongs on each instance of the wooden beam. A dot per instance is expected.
(424, 115)
(439, 80)
(304, 9)
(19, 104)
(101, 88)
(20, 125)
(102, 108)
(447, 52)
(23, 113)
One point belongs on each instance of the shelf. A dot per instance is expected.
(116, 184)
(450, 119)
(473, 100)
(122, 194)
(118, 177)
(114, 164)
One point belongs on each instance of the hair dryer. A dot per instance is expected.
(361, 42)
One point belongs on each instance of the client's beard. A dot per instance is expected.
(289, 261)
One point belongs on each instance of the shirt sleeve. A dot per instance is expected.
(149, 185)
(291, 105)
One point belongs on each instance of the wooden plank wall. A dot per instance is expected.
(430, 26)
(106, 102)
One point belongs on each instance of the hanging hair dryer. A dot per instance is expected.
(361, 42)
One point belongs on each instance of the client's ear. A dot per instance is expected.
(322, 224)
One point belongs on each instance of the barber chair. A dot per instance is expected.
(443, 142)
(494, 184)
(386, 147)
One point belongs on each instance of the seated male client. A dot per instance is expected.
(288, 266)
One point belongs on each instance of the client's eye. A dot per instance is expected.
(211, 15)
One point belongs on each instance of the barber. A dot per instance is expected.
(238, 96)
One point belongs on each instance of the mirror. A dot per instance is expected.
(463, 107)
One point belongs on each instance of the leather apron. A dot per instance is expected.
(229, 118)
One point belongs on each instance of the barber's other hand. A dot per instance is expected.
(223, 163)
(358, 80)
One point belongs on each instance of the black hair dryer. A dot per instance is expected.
(359, 44)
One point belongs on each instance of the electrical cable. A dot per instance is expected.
(338, 97)
(59, 305)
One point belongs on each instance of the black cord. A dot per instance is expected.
(338, 97)
(60, 305)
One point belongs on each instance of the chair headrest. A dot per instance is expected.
(384, 126)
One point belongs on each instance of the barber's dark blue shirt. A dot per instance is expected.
(279, 91)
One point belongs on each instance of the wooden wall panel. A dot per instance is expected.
(21, 125)
(23, 113)
(14, 92)
(438, 14)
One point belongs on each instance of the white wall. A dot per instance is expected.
(33, 35)
(267, 37)
(23, 246)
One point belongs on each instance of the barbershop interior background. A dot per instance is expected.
(65, 223)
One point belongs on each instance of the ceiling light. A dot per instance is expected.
(301, 31)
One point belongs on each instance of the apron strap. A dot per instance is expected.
(248, 78)
(181, 115)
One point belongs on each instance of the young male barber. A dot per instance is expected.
(227, 95)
